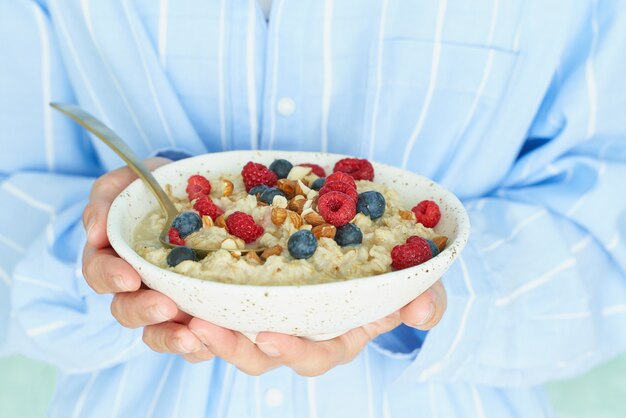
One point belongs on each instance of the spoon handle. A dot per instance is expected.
(101, 131)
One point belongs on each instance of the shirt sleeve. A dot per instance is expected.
(47, 169)
(540, 291)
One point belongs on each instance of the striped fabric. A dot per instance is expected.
(516, 106)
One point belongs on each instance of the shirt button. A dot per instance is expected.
(286, 106)
(274, 397)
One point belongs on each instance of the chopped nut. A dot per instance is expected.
(229, 244)
(268, 252)
(324, 231)
(279, 215)
(302, 189)
(407, 214)
(227, 187)
(297, 204)
(288, 187)
(254, 257)
(312, 217)
(279, 201)
(295, 219)
(440, 242)
(235, 254)
(298, 172)
(207, 221)
(221, 221)
(259, 203)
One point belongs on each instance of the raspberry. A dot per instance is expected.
(197, 186)
(427, 213)
(411, 254)
(243, 226)
(359, 169)
(342, 177)
(336, 208)
(205, 207)
(434, 250)
(338, 186)
(317, 170)
(254, 174)
(174, 237)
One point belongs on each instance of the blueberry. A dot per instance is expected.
(281, 168)
(302, 244)
(433, 247)
(371, 204)
(186, 223)
(180, 254)
(349, 234)
(267, 196)
(258, 189)
(318, 183)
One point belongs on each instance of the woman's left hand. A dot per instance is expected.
(308, 358)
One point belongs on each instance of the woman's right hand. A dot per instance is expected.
(134, 306)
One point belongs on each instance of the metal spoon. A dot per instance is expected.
(110, 138)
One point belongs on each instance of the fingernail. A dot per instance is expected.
(269, 349)
(428, 315)
(120, 282)
(90, 225)
(158, 313)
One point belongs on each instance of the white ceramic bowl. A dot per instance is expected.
(317, 312)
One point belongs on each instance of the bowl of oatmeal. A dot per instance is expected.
(337, 242)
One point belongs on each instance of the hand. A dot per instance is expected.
(309, 358)
(167, 329)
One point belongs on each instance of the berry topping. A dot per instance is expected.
(349, 234)
(281, 168)
(434, 250)
(254, 174)
(410, 254)
(336, 208)
(318, 184)
(371, 204)
(256, 190)
(187, 223)
(339, 186)
(174, 237)
(317, 170)
(243, 226)
(268, 195)
(205, 206)
(342, 177)
(427, 213)
(302, 244)
(180, 254)
(359, 169)
(197, 186)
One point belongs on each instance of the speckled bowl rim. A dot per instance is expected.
(445, 258)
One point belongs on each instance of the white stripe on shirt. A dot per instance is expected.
(536, 282)
(520, 226)
(434, 70)
(83, 396)
(368, 383)
(590, 75)
(5, 277)
(12, 244)
(163, 15)
(45, 86)
(160, 386)
(311, 397)
(276, 48)
(36, 282)
(327, 64)
(379, 78)
(87, 16)
(478, 405)
(28, 199)
(614, 310)
(220, 73)
(250, 75)
(581, 245)
(148, 76)
(44, 329)
(121, 389)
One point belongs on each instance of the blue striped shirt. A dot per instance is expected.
(517, 106)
